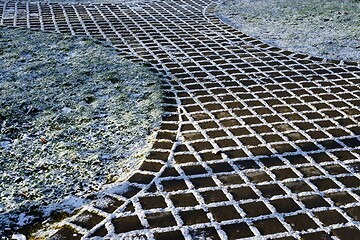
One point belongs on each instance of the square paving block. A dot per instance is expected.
(298, 186)
(335, 169)
(174, 185)
(255, 209)
(301, 222)
(347, 233)
(163, 219)
(316, 235)
(269, 226)
(184, 200)
(285, 173)
(237, 231)
(324, 184)
(314, 201)
(353, 212)
(221, 167)
(285, 205)
(230, 179)
(321, 157)
(203, 182)
(330, 217)
(193, 217)
(204, 233)
(126, 224)
(270, 190)
(260, 151)
(271, 161)
(185, 158)
(224, 213)
(153, 202)
(243, 193)
(350, 181)
(169, 235)
(258, 176)
(246, 164)
(340, 198)
(194, 170)
(310, 171)
(238, 153)
(214, 196)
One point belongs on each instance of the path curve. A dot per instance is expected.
(256, 142)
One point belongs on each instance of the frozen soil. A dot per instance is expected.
(74, 116)
(324, 28)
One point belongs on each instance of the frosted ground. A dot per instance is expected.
(74, 116)
(324, 28)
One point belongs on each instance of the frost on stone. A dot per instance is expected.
(73, 116)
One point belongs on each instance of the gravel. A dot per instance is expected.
(324, 28)
(74, 116)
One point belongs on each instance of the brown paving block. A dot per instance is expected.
(285, 205)
(193, 217)
(350, 181)
(152, 202)
(203, 182)
(298, 186)
(126, 224)
(330, 217)
(214, 196)
(169, 235)
(255, 209)
(310, 171)
(340, 198)
(316, 235)
(184, 200)
(284, 173)
(271, 161)
(141, 178)
(151, 166)
(224, 213)
(205, 233)
(347, 233)
(246, 164)
(353, 212)
(230, 179)
(161, 219)
(237, 230)
(174, 185)
(314, 201)
(100, 232)
(324, 184)
(270, 190)
(269, 226)
(301, 222)
(243, 193)
(220, 167)
(194, 170)
(258, 176)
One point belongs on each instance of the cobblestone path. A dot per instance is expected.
(256, 142)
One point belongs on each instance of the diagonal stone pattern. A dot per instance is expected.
(256, 142)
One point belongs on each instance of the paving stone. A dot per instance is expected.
(248, 130)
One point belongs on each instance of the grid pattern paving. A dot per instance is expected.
(256, 142)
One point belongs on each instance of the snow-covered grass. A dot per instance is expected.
(323, 28)
(74, 116)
